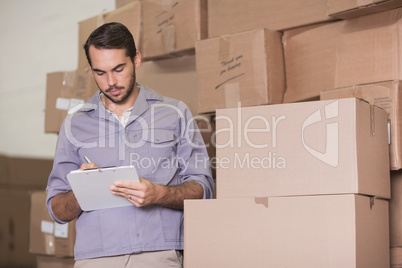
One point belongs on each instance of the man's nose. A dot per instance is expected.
(111, 80)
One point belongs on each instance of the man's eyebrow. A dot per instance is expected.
(119, 66)
(115, 68)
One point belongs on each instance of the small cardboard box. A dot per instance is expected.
(386, 95)
(306, 148)
(175, 78)
(171, 28)
(233, 16)
(47, 237)
(64, 90)
(128, 14)
(245, 67)
(305, 231)
(343, 53)
(347, 9)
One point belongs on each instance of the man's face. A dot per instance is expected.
(114, 73)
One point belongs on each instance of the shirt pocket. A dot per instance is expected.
(155, 159)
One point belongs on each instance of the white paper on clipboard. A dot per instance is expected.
(92, 187)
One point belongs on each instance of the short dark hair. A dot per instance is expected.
(111, 35)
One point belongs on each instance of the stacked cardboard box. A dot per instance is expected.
(18, 176)
(286, 174)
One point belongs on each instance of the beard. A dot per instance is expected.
(120, 99)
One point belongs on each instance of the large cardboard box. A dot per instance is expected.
(64, 90)
(346, 9)
(331, 231)
(395, 209)
(46, 236)
(28, 173)
(245, 67)
(344, 53)
(232, 16)
(172, 28)
(307, 148)
(128, 14)
(386, 95)
(14, 229)
(175, 78)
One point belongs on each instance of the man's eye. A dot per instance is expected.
(119, 70)
(99, 74)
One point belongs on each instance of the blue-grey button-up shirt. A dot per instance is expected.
(161, 140)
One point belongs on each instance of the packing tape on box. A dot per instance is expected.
(231, 93)
(169, 38)
(49, 244)
(167, 4)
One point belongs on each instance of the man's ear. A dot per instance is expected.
(137, 60)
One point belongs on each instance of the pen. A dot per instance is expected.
(87, 159)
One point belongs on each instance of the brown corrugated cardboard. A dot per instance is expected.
(307, 148)
(386, 95)
(395, 209)
(175, 78)
(28, 173)
(396, 257)
(46, 236)
(346, 9)
(232, 16)
(64, 90)
(14, 229)
(120, 3)
(344, 53)
(44, 261)
(305, 231)
(129, 15)
(171, 28)
(245, 67)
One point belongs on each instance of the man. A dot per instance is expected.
(127, 123)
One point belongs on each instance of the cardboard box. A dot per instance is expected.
(28, 173)
(120, 3)
(171, 28)
(343, 53)
(14, 229)
(396, 257)
(65, 90)
(245, 67)
(233, 16)
(128, 14)
(386, 95)
(305, 231)
(44, 261)
(175, 78)
(347, 9)
(395, 209)
(46, 236)
(307, 148)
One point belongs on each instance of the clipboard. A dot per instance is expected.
(92, 186)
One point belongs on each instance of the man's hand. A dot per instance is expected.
(145, 193)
